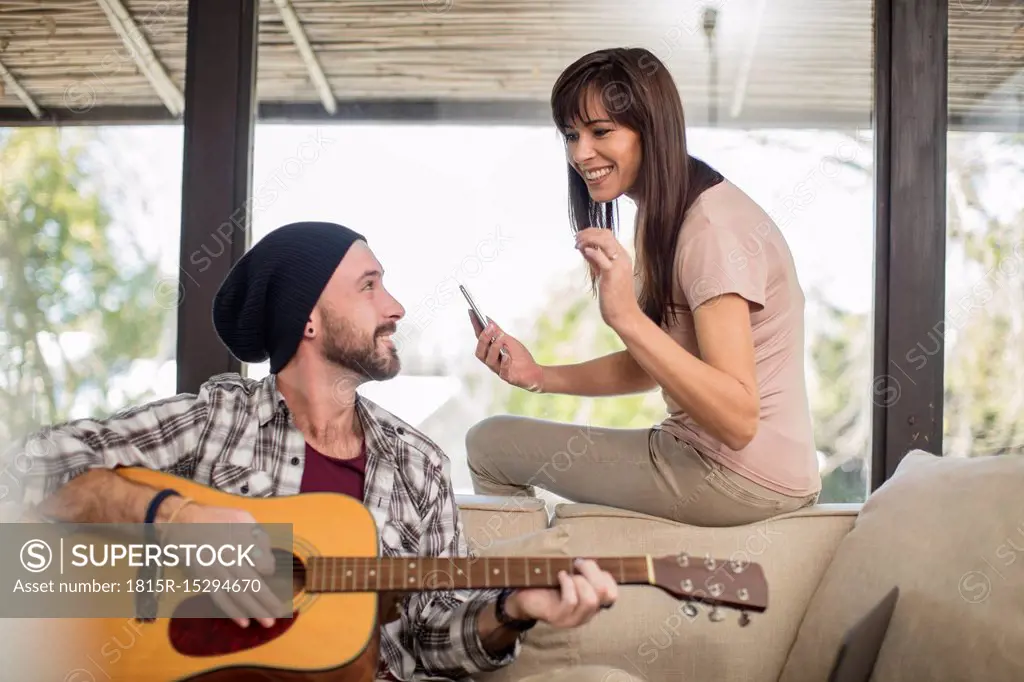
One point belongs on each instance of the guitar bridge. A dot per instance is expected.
(146, 602)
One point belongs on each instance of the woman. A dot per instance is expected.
(712, 315)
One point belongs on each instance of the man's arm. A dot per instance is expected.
(451, 634)
(101, 496)
(64, 471)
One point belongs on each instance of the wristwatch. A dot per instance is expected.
(520, 625)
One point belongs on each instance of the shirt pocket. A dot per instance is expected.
(242, 480)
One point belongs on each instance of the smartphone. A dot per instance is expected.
(480, 317)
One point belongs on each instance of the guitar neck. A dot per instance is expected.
(373, 574)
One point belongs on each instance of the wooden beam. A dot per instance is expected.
(316, 72)
(910, 261)
(19, 91)
(423, 111)
(475, 112)
(143, 55)
(220, 92)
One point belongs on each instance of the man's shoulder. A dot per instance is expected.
(234, 386)
(233, 382)
(229, 395)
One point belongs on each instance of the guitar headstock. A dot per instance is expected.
(732, 583)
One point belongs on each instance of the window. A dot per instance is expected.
(89, 225)
(983, 328)
(777, 97)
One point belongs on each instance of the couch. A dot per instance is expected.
(948, 532)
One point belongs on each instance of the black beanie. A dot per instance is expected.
(263, 305)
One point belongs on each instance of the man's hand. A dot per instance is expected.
(238, 605)
(581, 596)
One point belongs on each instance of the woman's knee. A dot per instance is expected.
(482, 439)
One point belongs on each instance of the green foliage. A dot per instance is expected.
(840, 405)
(79, 301)
(984, 328)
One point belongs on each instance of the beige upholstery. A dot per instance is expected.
(947, 531)
(655, 636)
(488, 520)
(950, 534)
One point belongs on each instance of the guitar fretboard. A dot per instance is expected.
(371, 574)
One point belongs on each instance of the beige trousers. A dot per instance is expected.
(644, 470)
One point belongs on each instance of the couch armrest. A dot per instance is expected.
(500, 503)
(580, 510)
(489, 519)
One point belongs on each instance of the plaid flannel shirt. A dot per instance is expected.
(236, 435)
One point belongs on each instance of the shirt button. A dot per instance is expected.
(245, 489)
(295, 461)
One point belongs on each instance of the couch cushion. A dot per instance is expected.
(651, 635)
(490, 519)
(947, 532)
(544, 647)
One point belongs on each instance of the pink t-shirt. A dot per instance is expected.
(728, 244)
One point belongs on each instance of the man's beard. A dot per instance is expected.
(348, 347)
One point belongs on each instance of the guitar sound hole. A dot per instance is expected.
(220, 636)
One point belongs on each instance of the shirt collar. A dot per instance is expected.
(378, 424)
(269, 401)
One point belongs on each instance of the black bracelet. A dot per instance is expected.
(507, 620)
(145, 602)
(156, 502)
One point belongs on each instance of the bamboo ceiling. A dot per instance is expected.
(784, 57)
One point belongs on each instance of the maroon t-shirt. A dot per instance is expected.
(323, 474)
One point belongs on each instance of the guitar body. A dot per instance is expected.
(331, 636)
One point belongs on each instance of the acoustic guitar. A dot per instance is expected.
(338, 584)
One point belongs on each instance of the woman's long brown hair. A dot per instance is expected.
(638, 92)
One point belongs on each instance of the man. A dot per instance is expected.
(310, 298)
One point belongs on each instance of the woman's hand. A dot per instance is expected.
(611, 264)
(516, 366)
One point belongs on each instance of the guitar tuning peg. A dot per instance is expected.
(744, 619)
(690, 611)
(716, 615)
